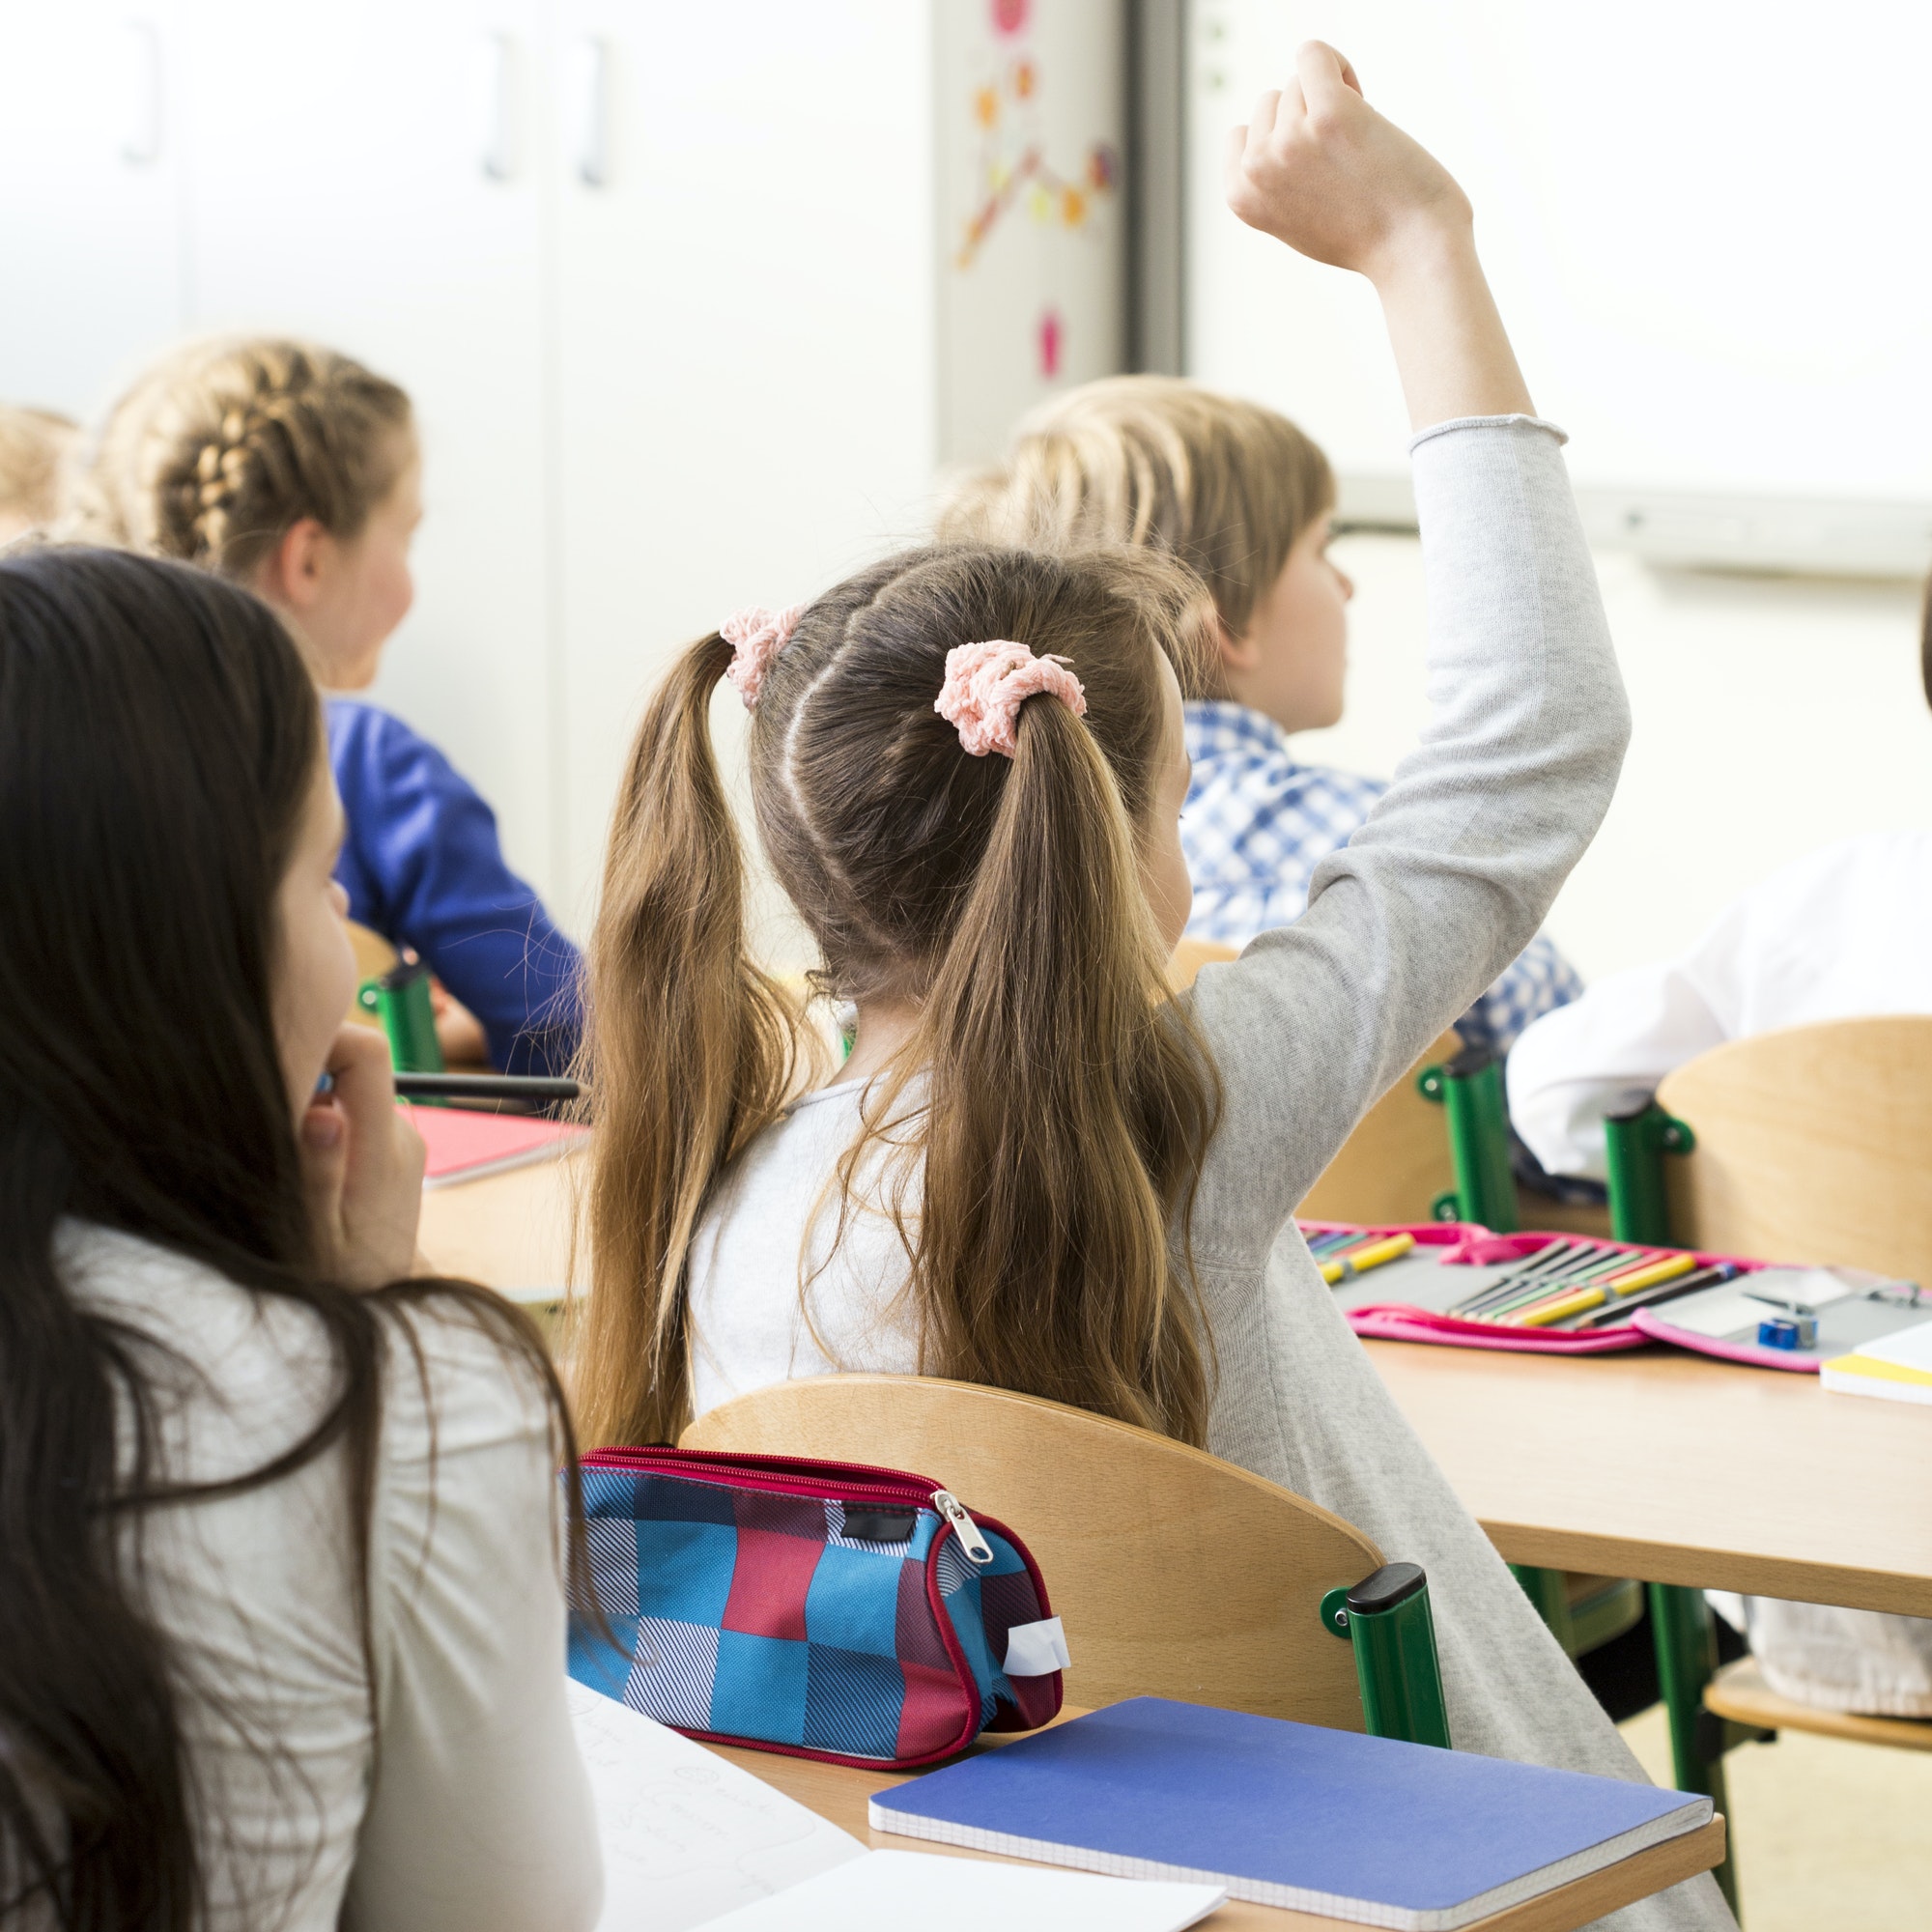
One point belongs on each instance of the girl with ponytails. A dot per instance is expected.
(1037, 1169)
(281, 1613)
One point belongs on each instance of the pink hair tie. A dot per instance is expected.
(986, 684)
(756, 636)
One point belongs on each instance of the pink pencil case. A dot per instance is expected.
(1453, 1245)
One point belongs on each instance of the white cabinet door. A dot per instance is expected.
(368, 174)
(746, 290)
(91, 141)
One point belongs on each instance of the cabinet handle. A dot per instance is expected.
(140, 77)
(591, 82)
(496, 104)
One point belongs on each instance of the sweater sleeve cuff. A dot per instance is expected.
(1456, 423)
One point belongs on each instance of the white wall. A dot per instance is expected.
(1705, 251)
(1772, 715)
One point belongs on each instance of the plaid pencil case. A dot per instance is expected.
(822, 1609)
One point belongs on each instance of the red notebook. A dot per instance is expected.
(465, 1145)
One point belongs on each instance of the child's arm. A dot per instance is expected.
(427, 847)
(1451, 875)
(1606, 1052)
(1319, 169)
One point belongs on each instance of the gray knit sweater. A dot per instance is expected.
(1445, 885)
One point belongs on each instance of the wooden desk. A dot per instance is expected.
(839, 1793)
(1657, 1464)
(1678, 1470)
(511, 1232)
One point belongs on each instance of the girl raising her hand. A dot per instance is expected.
(1036, 1171)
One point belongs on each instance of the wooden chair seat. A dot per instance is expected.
(1176, 1574)
(1739, 1692)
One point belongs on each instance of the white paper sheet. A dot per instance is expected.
(687, 1835)
(888, 1892)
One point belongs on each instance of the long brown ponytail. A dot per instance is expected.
(1065, 1100)
(690, 1047)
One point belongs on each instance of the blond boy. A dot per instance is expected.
(1246, 498)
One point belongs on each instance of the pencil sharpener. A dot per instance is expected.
(1789, 1332)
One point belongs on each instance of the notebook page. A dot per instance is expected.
(887, 1892)
(686, 1834)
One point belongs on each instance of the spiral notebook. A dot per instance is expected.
(1291, 1815)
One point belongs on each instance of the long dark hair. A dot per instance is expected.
(158, 740)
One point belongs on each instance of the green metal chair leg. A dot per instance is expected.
(1687, 1658)
(1386, 1619)
(1635, 1144)
(1470, 1088)
(400, 1000)
(1549, 1592)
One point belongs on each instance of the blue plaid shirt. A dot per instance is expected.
(1256, 825)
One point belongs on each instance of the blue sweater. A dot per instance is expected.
(422, 866)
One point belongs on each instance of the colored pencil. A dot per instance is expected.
(1687, 1284)
(1611, 1287)
(1359, 1259)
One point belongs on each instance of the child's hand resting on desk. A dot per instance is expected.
(1319, 169)
(362, 1167)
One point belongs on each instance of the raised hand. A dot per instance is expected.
(1319, 169)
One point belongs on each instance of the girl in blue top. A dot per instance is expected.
(295, 471)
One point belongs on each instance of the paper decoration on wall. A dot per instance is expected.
(1014, 170)
(1031, 116)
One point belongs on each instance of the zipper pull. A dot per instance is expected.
(978, 1550)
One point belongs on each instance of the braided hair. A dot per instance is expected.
(222, 448)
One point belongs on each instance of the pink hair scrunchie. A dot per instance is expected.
(756, 636)
(986, 684)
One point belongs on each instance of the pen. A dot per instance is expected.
(483, 1086)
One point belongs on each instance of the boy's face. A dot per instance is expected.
(1291, 661)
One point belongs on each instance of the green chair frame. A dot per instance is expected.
(400, 1000)
(1683, 1632)
(1387, 1619)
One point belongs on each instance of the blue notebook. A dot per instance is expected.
(1291, 1815)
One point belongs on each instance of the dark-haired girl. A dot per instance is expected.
(281, 1619)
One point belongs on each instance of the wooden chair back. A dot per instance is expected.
(1176, 1574)
(1397, 1161)
(1192, 955)
(1814, 1144)
(373, 957)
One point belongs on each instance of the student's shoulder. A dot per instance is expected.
(237, 1367)
(1238, 749)
(459, 1377)
(235, 1377)
(362, 735)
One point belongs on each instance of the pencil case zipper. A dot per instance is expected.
(836, 1481)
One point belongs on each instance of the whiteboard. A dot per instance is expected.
(1703, 223)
